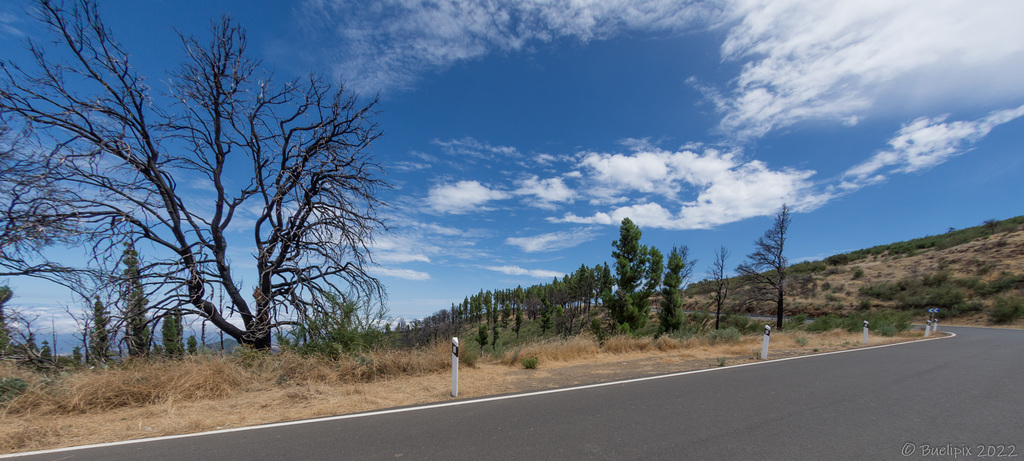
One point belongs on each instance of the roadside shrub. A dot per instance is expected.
(469, 355)
(795, 322)
(1006, 309)
(824, 323)
(11, 388)
(887, 330)
(742, 324)
(530, 363)
(896, 320)
(730, 334)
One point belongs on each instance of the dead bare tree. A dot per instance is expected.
(718, 283)
(107, 161)
(767, 265)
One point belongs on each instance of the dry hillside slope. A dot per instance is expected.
(965, 279)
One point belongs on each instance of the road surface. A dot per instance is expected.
(924, 400)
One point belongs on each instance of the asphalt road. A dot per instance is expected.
(927, 399)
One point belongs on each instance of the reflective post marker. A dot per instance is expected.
(764, 345)
(935, 326)
(927, 328)
(865, 332)
(455, 367)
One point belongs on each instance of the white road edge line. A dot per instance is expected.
(456, 403)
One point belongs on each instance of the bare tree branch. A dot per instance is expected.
(109, 162)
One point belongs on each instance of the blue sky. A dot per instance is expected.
(519, 134)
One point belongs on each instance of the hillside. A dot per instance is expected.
(963, 272)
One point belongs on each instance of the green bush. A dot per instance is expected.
(807, 267)
(742, 324)
(887, 330)
(795, 322)
(1006, 309)
(824, 323)
(344, 325)
(838, 260)
(896, 320)
(469, 355)
(1006, 281)
(11, 388)
(730, 334)
(884, 291)
(530, 363)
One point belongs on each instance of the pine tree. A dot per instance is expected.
(5, 335)
(481, 337)
(638, 271)
(193, 345)
(519, 321)
(171, 332)
(99, 338)
(671, 298)
(545, 317)
(137, 332)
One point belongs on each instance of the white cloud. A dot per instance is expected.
(545, 159)
(469, 146)
(462, 197)
(407, 274)
(926, 142)
(837, 59)
(7, 24)
(388, 44)
(724, 188)
(402, 248)
(545, 192)
(405, 167)
(552, 241)
(516, 270)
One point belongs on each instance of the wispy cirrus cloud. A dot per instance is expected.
(389, 44)
(553, 241)
(516, 270)
(8, 23)
(472, 147)
(808, 60)
(405, 274)
(924, 143)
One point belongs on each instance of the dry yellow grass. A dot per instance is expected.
(148, 399)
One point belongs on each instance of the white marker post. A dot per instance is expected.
(935, 326)
(927, 328)
(455, 367)
(865, 332)
(764, 344)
